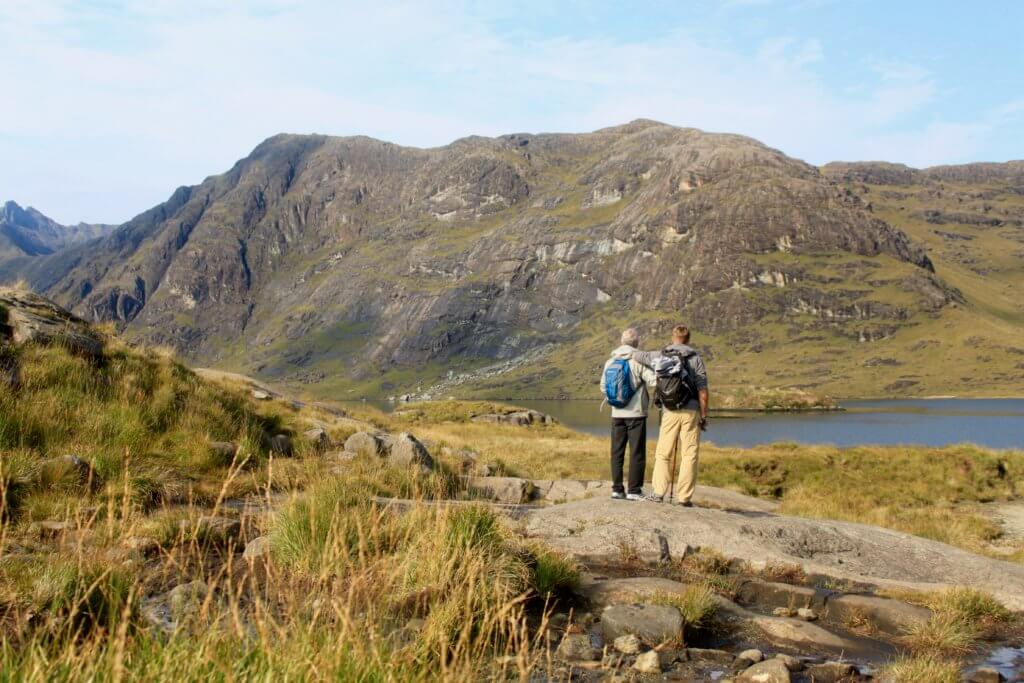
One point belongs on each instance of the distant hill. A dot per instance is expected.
(506, 266)
(25, 233)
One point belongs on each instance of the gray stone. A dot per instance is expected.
(791, 662)
(406, 451)
(753, 656)
(603, 592)
(257, 549)
(576, 647)
(652, 624)
(261, 395)
(365, 442)
(783, 612)
(768, 671)
(593, 530)
(768, 594)
(831, 672)
(225, 450)
(807, 614)
(318, 437)
(890, 617)
(627, 644)
(35, 319)
(648, 663)
(511, 490)
(280, 444)
(985, 674)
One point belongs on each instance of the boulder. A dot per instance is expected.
(365, 442)
(69, 470)
(648, 663)
(985, 674)
(791, 662)
(770, 594)
(576, 647)
(559, 490)
(35, 319)
(280, 444)
(257, 549)
(753, 656)
(520, 418)
(318, 437)
(405, 450)
(831, 672)
(628, 644)
(768, 671)
(600, 592)
(224, 450)
(511, 490)
(807, 614)
(652, 624)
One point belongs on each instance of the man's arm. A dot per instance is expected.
(700, 377)
(646, 358)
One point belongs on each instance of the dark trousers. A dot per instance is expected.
(631, 430)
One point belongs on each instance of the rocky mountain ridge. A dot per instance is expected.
(366, 267)
(27, 232)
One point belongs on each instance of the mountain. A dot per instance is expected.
(507, 266)
(27, 233)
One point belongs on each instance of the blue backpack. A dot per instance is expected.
(618, 383)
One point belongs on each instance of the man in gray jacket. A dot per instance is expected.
(680, 428)
(629, 423)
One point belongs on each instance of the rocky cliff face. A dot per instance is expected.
(374, 266)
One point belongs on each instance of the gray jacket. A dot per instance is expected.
(643, 382)
(698, 372)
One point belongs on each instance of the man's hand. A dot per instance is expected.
(703, 423)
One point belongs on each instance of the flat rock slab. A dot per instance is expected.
(597, 530)
(569, 490)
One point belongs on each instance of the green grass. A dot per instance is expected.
(920, 669)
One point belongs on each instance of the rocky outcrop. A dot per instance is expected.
(26, 317)
(595, 529)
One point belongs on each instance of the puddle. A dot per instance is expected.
(1008, 661)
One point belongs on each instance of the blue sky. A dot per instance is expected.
(111, 104)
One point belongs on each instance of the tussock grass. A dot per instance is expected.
(961, 618)
(920, 669)
(696, 603)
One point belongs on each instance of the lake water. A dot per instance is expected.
(996, 423)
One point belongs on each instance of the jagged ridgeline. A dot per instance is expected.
(505, 266)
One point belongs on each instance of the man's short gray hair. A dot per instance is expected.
(630, 337)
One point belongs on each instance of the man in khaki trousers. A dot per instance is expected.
(681, 428)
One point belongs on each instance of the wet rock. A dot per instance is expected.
(405, 450)
(753, 656)
(985, 674)
(768, 671)
(365, 442)
(720, 657)
(69, 470)
(257, 549)
(576, 647)
(627, 644)
(652, 624)
(648, 663)
(831, 672)
(280, 444)
(511, 490)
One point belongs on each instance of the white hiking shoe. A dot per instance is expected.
(618, 495)
(634, 496)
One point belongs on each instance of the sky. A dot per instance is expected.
(108, 105)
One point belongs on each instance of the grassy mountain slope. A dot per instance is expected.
(506, 266)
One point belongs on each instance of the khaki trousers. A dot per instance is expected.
(680, 433)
